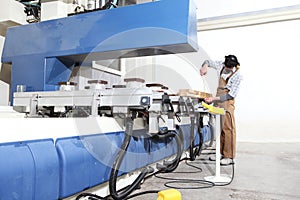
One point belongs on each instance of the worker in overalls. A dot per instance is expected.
(229, 84)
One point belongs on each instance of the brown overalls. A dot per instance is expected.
(228, 130)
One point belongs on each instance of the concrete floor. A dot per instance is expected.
(262, 172)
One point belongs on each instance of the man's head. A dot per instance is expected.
(231, 61)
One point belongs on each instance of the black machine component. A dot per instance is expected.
(32, 10)
(110, 4)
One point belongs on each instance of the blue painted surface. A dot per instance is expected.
(38, 170)
(43, 54)
(206, 133)
(29, 170)
(85, 161)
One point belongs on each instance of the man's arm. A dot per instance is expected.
(222, 98)
(218, 65)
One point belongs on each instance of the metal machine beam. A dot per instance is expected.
(43, 54)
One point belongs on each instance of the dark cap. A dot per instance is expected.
(231, 61)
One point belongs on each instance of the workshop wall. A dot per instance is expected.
(4, 87)
(213, 8)
(266, 108)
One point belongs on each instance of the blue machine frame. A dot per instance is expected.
(48, 170)
(43, 54)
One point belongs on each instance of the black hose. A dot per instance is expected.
(197, 151)
(173, 164)
(192, 134)
(116, 166)
(202, 184)
(199, 148)
(124, 194)
(90, 195)
(193, 152)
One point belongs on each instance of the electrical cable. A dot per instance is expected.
(193, 154)
(94, 196)
(200, 146)
(188, 164)
(172, 165)
(191, 112)
(207, 184)
(232, 175)
(115, 170)
(67, 110)
(124, 193)
(192, 131)
(189, 181)
(116, 166)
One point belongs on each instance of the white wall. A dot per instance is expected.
(4, 87)
(174, 71)
(11, 13)
(212, 8)
(12, 10)
(267, 106)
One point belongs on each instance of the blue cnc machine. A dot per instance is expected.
(46, 157)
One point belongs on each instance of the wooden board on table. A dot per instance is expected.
(193, 93)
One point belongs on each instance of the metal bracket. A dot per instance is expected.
(33, 106)
(95, 104)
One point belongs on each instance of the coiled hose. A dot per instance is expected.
(196, 152)
(116, 166)
(124, 194)
(171, 165)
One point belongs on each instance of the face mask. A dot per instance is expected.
(227, 70)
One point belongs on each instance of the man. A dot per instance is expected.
(229, 84)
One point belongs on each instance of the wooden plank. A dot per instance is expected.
(193, 93)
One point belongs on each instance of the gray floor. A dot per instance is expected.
(262, 172)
